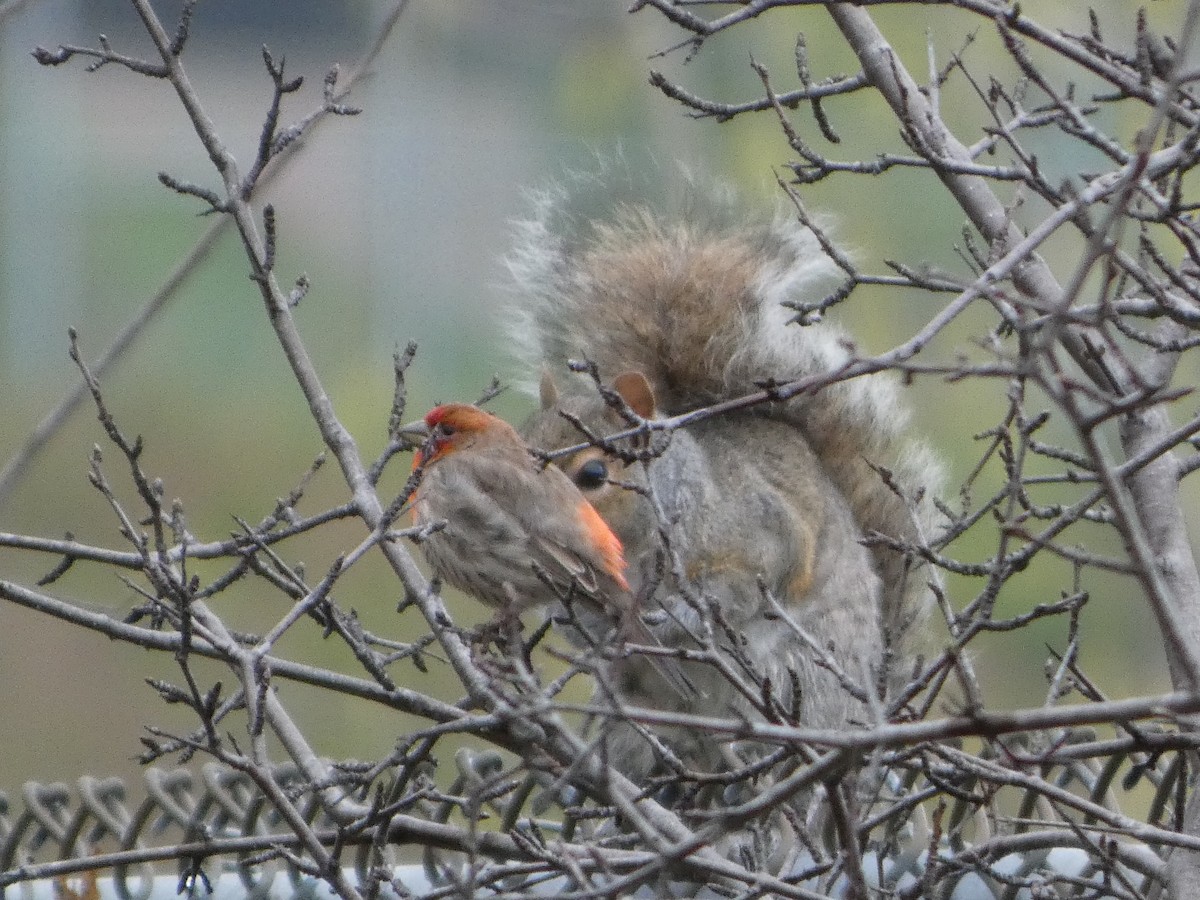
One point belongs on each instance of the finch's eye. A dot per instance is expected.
(592, 474)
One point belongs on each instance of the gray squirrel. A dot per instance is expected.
(745, 531)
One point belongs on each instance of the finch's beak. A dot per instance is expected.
(415, 433)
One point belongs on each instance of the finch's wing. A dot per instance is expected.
(576, 538)
(564, 564)
(568, 539)
(601, 576)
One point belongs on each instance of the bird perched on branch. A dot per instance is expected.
(516, 533)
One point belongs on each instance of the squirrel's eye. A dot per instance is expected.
(592, 474)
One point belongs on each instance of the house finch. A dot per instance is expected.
(518, 533)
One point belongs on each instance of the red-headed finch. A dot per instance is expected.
(517, 533)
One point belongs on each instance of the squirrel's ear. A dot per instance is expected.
(547, 391)
(635, 390)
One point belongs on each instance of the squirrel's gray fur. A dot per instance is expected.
(779, 498)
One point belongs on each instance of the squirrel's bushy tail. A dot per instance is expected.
(696, 302)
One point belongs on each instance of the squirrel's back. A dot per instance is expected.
(698, 302)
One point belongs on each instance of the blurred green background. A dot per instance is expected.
(400, 218)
